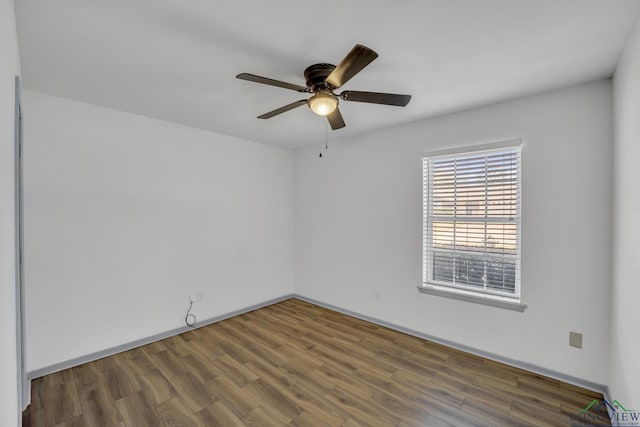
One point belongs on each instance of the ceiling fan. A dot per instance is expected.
(323, 79)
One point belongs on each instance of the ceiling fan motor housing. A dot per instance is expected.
(316, 74)
(322, 79)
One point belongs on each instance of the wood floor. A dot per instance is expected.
(297, 364)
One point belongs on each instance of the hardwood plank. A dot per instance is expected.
(485, 416)
(206, 356)
(77, 421)
(259, 417)
(345, 381)
(306, 419)
(352, 423)
(406, 364)
(154, 347)
(296, 364)
(255, 335)
(178, 346)
(68, 402)
(235, 398)
(307, 377)
(235, 371)
(218, 415)
(434, 392)
(440, 411)
(535, 415)
(380, 381)
(87, 377)
(362, 410)
(155, 386)
(201, 367)
(98, 408)
(138, 361)
(33, 417)
(176, 413)
(313, 405)
(274, 375)
(168, 364)
(275, 398)
(193, 391)
(136, 410)
(119, 379)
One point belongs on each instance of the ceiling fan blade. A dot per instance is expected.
(283, 109)
(271, 82)
(359, 57)
(376, 97)
(335, 120)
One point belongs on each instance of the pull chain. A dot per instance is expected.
(326, 143)
(326, 131)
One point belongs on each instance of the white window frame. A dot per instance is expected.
(485, 296)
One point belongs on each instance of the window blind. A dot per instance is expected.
(471, 234)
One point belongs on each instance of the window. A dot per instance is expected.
(471, 232)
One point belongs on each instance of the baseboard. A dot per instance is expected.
(32, 375)
(600, 388)
(589, 385)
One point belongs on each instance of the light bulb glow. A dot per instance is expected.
(323, 104)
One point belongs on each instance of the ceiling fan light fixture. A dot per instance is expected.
(321, 81)
(323, 104)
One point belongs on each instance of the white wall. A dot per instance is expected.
(126, 215)
(358, 222)
(625, 346)
(9, 68)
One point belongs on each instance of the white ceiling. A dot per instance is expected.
(177, 60)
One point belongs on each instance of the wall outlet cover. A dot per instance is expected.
(575, 339)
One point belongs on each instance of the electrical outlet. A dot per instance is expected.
(575, 339)
(376, 295)
(196, 297)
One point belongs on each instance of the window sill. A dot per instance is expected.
(472, 297)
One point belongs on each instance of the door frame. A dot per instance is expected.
(24, 391)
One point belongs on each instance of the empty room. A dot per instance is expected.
(348, 213)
